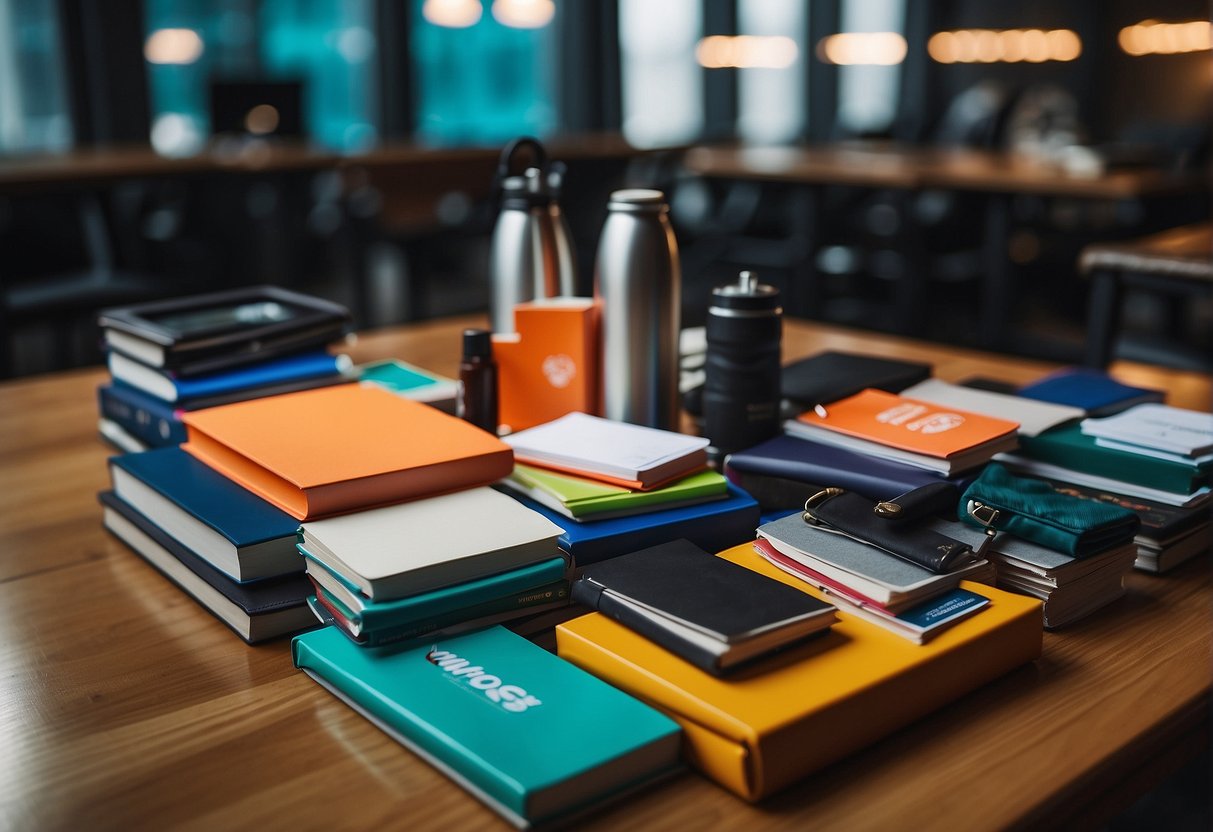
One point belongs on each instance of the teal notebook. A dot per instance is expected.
(530, 735)
(401, 611)
(1069, 447)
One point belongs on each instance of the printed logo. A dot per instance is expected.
(559, 370)
(510, 697)
(919, 418)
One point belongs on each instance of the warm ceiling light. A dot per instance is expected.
(524, 14)
(453, 14)
(870, 48)
(987, 46)
(173, 46)
(746, 52)
(1149, 37)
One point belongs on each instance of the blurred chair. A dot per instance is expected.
(66, 300)
(1175, 262)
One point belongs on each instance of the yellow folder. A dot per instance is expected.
(766, 727)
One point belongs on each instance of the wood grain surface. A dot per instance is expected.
(123, 704)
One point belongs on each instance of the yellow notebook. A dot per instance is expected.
(766, 727)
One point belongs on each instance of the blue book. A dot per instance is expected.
(713, 526)
(257, 611)
(148, 419)
(1095, 392)
(279, 375)
(231, 528)
(373, 615)
(530, 735)
(814, 466)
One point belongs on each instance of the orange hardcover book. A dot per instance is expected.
(772, 724)
(549, 366)
(346, 448)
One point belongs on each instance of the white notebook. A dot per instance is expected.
(414, 547)
(1033, 416)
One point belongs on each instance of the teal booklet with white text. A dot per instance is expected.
(529, 734)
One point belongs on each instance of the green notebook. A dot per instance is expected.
(582, 499)
(529, 734)
(1069, 447)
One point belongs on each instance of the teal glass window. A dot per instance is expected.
(327, 45)
(33, 87)
(484, 72)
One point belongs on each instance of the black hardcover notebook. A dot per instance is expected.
(830, 376)
(711, 612)
(205, 333)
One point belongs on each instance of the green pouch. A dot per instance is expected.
(1031, 509)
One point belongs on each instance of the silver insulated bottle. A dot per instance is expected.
(523, 262)
(637, 283)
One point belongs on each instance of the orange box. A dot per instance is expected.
(550, 365)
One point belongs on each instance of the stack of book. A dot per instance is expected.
(874, 585)
(170, 357)
(441, 565)
(617, 487)
(1134, 453)
(229, 549)
(1070, 587)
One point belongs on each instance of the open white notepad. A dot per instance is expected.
(595, 445)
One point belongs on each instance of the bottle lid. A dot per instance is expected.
(477, 343)
(524, 191)
(747, 294)
(637, 199)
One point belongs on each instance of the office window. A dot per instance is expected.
(867, 93)
(662, 80)
(485, 72)
(327, 47)
(33, 92)
(771, 99)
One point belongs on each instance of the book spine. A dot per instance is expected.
(158, 429)
(548, 594)
(592, 595)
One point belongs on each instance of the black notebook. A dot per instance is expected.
(830, 376)
(711, 612)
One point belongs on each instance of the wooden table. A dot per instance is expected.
(124, 705)
(905, 169)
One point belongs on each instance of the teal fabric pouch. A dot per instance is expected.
(1031, 509)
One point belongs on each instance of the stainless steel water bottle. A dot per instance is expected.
(566, 254)
(637, 282)
(741, 392)
(523, 260)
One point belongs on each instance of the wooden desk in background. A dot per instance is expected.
(906, 169)
(123, 704)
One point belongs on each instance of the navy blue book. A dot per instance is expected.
(1092, 390)
(794, 459)
(257, 611)
(286, 374)
(714, 526)
(148, 419)
(231, 528)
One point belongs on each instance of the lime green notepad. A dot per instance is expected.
(583, 499)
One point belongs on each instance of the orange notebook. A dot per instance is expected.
(549, 367)
(346, 448)
(920, 433)
(767, 726)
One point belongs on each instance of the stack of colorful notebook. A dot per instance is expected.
(871, 584)
(617, 487)
(170, 357)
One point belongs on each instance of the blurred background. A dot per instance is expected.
(934, 169)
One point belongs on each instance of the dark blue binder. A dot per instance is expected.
(802, 460)
(144, 417)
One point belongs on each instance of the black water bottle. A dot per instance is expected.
(741, 394)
